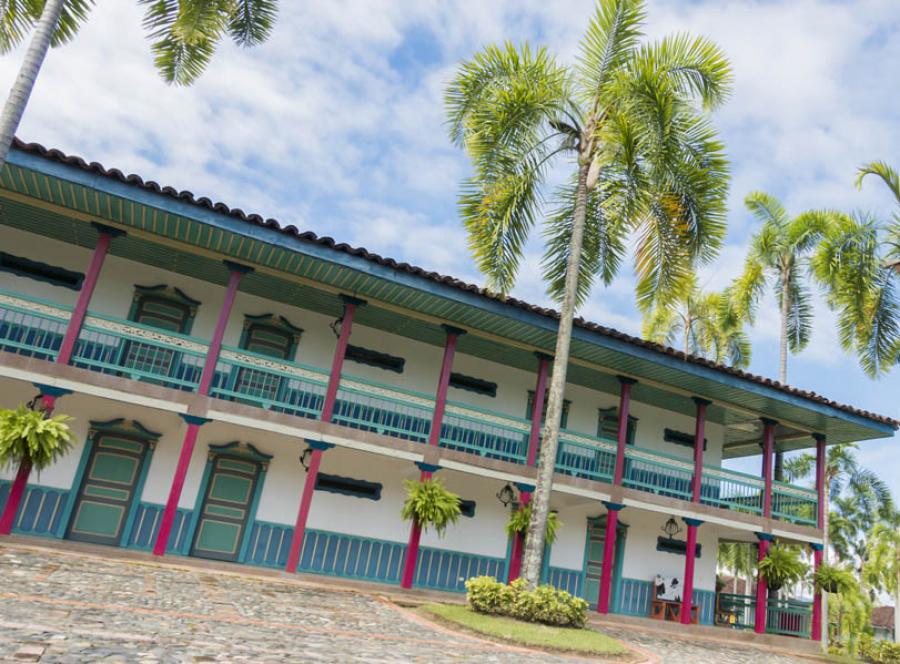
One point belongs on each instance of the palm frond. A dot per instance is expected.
(766, 209)
(612, 35)
(799, 311)
(252, 21)
(882, 170)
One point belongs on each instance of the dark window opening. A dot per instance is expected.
(608, 425)
(678, 547)
(467, 507)
(374, 358)
(348, 486)
(463, 382)
(270, 335)
(529, 410)
(23, 267)
(680, 438)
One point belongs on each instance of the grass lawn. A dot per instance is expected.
(525, 633)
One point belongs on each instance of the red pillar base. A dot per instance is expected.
(515, 558)
(184, 461)
(816, 635)
(14, 500)
(412, 555)
(609, 552)
(762, 593)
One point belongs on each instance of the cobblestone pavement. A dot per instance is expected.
(58, 606)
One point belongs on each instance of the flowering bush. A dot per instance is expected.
(545, 604)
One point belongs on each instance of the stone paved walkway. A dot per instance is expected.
(59, 606)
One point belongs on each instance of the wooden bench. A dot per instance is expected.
(666, 609)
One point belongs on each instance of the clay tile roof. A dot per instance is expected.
(308, 236)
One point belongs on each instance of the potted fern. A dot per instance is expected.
(782, 566)
(29, 440)
(833, 579)
(430, 504)
(520, 518)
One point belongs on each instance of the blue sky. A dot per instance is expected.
(336, 125)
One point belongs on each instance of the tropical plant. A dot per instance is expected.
(30, 441)
(882, 567)
(859, 263)
(544, 604)
(184, 33)
(738, 559)
(702, 323)
(520, 518)
(848, 616)
(833, 579)
(782, 566)
(629, 120)
(430, 504)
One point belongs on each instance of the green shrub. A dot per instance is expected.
(833, 579)
(520, 518)
(545, 604)
(28, 436)
(782, 566)
(429, 503)
(878, 652)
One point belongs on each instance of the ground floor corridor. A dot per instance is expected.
(70, 606)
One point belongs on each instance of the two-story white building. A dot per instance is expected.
(247, 392)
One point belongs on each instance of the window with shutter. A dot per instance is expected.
(530, 408)
(608, 425)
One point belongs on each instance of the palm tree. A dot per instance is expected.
(185, 34)
(629, 122)
(739, 560)
(859, 263)
(882, 570)
(703, 325)
(777, 257)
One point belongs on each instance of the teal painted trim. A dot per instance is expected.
(545, 563)
(815, 546)
(319, 445)
(40, 511)
(621, 536)
(427, 467)
(146, 526)
(273, 237)
(194, 419)
(568, 580)
(198, 503)
(76, 485)
(692, 522)
(522, 486)
(613, 507)
(254, 505)
(765, 537)
(108, 230)
(138, 493)
(52, 391)
(508, 558)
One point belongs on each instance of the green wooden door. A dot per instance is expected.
(226, 508)
(107, 490)
(593, 560)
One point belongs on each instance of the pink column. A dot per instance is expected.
(762, 590)
(334, 382)
(534, 439)
(768, 449)
(690, 556)
(434, 437)
(194, 423)
(622, 437)
(106, 235)
(309, 486)
(818, 549)
(609, 554)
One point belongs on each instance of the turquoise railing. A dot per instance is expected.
(658, 473)
(285, 387)
(731, 490)
(789, 617)
(34, 327)
(794, 503)
(737, 611)
(585, 456)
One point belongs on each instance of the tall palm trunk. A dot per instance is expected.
(897, 600)
(24, 84)
(540, 500)
(783, 353)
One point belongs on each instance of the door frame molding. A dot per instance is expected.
(125, 428)
(621, 536)
(244, 452)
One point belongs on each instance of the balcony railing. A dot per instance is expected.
(35, 328)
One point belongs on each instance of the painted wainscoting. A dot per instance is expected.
(569, 580)
(634, 596)
(42, 510)
(146, 525)
(366, 558)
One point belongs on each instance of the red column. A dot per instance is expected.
(534, 439)
(762, 590)
(194, 423)
(434, 437)
(768, 449)
(106, 235)
(622, 437)
(690, 557)
(609, 554)
(818, 549)
(334, 382)
(699, 440)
